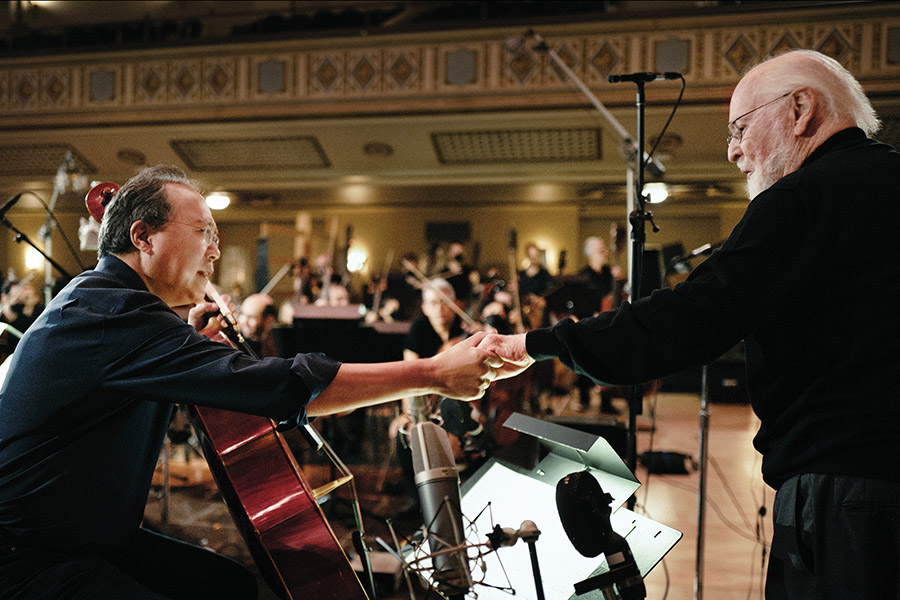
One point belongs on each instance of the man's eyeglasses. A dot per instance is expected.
(210, 235)
(737, 133)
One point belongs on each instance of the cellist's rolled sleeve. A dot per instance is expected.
(317, 371)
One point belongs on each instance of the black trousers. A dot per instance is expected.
(836, 537)
(149, 567)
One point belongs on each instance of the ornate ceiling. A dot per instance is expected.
(284, 113)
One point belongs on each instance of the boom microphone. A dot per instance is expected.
(584, 510)
(644, 77)
(437, 483)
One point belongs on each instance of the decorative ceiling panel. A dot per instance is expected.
(517, 145)
(40, 160)
(300, 152)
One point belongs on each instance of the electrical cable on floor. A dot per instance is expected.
(646, 484)
(730, 493)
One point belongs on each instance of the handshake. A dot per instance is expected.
(479, 360)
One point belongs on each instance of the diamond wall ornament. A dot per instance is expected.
(741, 55)
(327, 74)
(364, 72)
(522, 64)
(567, 56)
(402, 71)
(55, 89)
(185, 81)
(605, 60)
(218, 80)
(24, 89)
(835, 46)
(151, 83)
(785, 44)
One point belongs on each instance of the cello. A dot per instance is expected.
(270, 500)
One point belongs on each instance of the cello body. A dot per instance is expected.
(274, 508)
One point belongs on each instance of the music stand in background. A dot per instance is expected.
(517, 494)
(573, 295)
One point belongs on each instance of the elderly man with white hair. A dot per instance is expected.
(809, 280)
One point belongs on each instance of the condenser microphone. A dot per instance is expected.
(437, 482)
(9, 204)
(584, 510)
(644, 77)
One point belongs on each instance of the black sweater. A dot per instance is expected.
(810, 280)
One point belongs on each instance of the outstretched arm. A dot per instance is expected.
(464, 371)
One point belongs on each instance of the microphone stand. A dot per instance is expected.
(531, 539)
(637, 216)
(701, 484)
(21, 237)
(66, 175)
(703, 461)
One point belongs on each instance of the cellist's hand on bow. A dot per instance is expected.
(206, 317)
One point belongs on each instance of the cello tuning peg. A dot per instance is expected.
(98, 197)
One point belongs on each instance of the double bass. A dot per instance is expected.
(270, 500)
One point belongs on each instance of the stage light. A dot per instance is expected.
(33, 259)
(357, 257)
(218, 201)
(656, 192)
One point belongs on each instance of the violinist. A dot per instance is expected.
(601, 276)
(438, 330)
(90, 391)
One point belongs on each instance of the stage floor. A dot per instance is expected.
(735, 533)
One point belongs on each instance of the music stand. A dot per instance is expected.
(517, 494)
(573, 296)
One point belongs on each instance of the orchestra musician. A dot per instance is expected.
(256, 318)
(821, 358)
(86, 404)
(601, 276)
(21, 306)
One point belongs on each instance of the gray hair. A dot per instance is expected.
(441, 285)
(141, 198)
(840, 92)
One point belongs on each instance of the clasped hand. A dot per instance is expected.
(510, 351)
(487, 356)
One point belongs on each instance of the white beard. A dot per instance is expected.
(769, 172)
(774, 167)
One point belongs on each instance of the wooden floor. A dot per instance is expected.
(736, 535)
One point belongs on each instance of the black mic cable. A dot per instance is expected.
(9, 204)
(644, 77)
(62, 233)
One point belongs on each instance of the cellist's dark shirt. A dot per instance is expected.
(86, 404)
